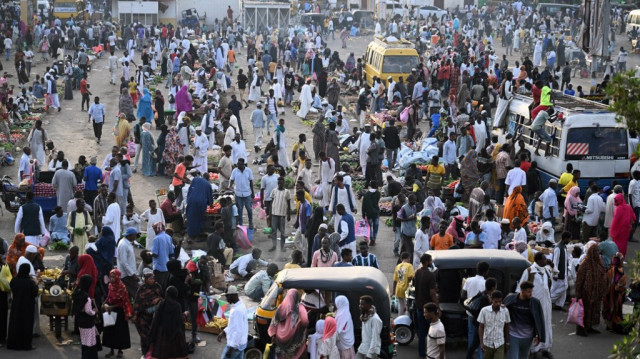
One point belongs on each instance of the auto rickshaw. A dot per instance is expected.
(452, 266)
(352, 282)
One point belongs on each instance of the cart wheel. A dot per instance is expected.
(253, 353)
(404, 334)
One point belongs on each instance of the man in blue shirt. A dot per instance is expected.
(96, 113)
(92, 174)
(161, 250)
(242, 177)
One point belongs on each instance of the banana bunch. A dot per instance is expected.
(69, 291)
(51, 273)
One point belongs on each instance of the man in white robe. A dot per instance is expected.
(561, 264)
(113, 215)
(37, 139)
(363, 143)
(327, 171)
(305, 100)
(201, 145)
(539, 274)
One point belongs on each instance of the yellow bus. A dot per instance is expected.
(64, 9)
(389, 57)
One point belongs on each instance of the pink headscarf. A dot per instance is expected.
(571, 201)
(329, 328)
(183, 101)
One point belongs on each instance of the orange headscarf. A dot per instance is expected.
(515, 206)
(17, 249)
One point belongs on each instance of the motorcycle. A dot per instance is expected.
(404, 326)
(11, 197)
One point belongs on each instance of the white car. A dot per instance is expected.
(428, 11)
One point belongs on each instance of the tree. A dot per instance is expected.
(629, 346)
(624, 91)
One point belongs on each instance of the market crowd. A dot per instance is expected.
(476, 191)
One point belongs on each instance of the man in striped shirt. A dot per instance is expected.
(365, 259)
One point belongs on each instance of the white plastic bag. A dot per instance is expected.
(109, 318)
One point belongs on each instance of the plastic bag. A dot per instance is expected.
(131, 149)
(404, 115)
(240, 236)
(109, 319)
(576, 312)
(262, 214)
(317, 192)
(5, 278)
(363, 229)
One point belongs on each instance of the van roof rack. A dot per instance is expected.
(392, 41)
(572, 103)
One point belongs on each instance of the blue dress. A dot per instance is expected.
(199, 197)
(144, 107)
(148, 163)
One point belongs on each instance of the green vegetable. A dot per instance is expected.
(59, 246)
(79, 231)
(143, 240)
(389, 222)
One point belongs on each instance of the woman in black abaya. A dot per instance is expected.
(24, 291)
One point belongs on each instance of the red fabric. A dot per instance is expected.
(87, 266)
(83, 86)
(118, 294)
(536, 92)
(537, 110)
(623, 218)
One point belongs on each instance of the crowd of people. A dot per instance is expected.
(457, 94)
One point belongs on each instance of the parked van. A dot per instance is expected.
(552, 9)
(633, 21)
(389, 57)
(588, 137)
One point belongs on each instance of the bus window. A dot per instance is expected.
(595, 143)
(398, 64)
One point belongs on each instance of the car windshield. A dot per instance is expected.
(398, 64)
(595, 143)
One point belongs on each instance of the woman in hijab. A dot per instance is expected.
(148, 150)
(319, 137)
(289, 327)
(160, 146)
(344, 328)
(103, 258)
(86, 267)
(616, 294)
(515, 206)
(591, 287)
(172, 150)
(122, 131)
(469, 174)
(17, 249)
(85, 310)
(571, 203)
(537, 54)
(183, 100)
(24, 292)
(117, 336)
(546, 235)
(125, 105)
(68, 79)
(158, 106)
(312, 229)
(167, 328)
(436, 218)
(315, 341)
(328, 348)
(622, 223)
(145, 304)
(431, 203)
(144, 106)
(522, 77)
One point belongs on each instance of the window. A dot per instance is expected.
(596, 143)
(398, 64)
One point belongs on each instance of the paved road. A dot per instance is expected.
(73, 134)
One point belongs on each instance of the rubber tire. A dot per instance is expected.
(402, 329)
(253, 353)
